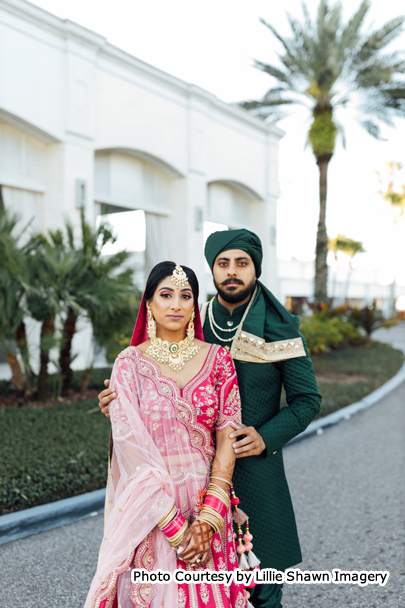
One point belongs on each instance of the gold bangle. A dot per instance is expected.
(168, 517)
(218, 489)
(220, 479)
(221, 497)
(212, 524)
(212, 518)
(213, 514)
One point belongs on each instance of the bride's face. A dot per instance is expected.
(172, 306)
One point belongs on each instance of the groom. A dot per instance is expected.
(269, 353)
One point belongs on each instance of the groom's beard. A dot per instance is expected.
(231, 296)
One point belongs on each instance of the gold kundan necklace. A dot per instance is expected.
(173, 354)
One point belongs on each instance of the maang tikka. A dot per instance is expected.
(179, 277)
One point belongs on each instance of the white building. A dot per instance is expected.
(82, 123)
(356, 287)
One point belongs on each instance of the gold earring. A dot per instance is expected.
(151, 331)
(190, 328)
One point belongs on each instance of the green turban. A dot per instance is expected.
(243, 239)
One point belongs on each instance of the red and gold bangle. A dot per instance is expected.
(216, 504)
(175, 529)
(178, 537)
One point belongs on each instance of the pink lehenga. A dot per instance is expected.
(163, 447)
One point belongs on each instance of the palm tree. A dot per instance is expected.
(12, 314)
(326, 64)
(351, 248)
(87, 283)
(43, 304)
(13, 286)
(394, 195)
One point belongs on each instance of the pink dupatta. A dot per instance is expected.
(156, 461)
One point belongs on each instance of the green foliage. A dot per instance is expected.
(116, 335)
(370, 318)
(322, 134)
(51, 453)
(345, 244)
(55, 279)
(97, 377)
(323, 333)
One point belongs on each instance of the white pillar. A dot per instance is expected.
(69, 162)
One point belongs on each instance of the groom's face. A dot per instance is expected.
(234, 275)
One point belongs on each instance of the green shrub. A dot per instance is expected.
(51, 453)
(370, 318)
(323, 333)
(97, 377)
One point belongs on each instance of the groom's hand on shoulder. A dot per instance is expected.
(105, 397)
(250, 443)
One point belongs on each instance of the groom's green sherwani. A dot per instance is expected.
(268, 352)
(260, 481)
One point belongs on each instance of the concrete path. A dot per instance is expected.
(348, 489)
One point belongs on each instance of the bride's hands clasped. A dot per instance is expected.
(196, 544)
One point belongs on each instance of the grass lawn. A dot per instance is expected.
(346, 376)
(55, 452)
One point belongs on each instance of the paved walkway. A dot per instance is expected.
(348, 488)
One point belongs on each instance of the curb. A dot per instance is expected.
(317, 427)
(69, 510)
(52, 515)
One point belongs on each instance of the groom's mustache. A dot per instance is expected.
(227, 281)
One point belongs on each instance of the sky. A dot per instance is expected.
(211, 44)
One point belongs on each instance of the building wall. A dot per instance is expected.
(74, 107)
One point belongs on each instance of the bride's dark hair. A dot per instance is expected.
(163, 270)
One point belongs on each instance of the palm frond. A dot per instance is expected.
(288, 46)
(376, 41)
(350, 35)
(307, 20)
(280, 75)
(372, 128)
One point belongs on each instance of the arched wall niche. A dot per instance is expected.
(129, 179)
(231, 203)
(133, 179)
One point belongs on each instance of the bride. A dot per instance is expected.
(171, 460)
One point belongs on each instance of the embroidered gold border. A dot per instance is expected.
(247, 347)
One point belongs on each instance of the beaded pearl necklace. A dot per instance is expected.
(212, 323)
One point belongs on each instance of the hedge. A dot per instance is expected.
(51, 453)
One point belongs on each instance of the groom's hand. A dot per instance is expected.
(105, 397)
(252, 443)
